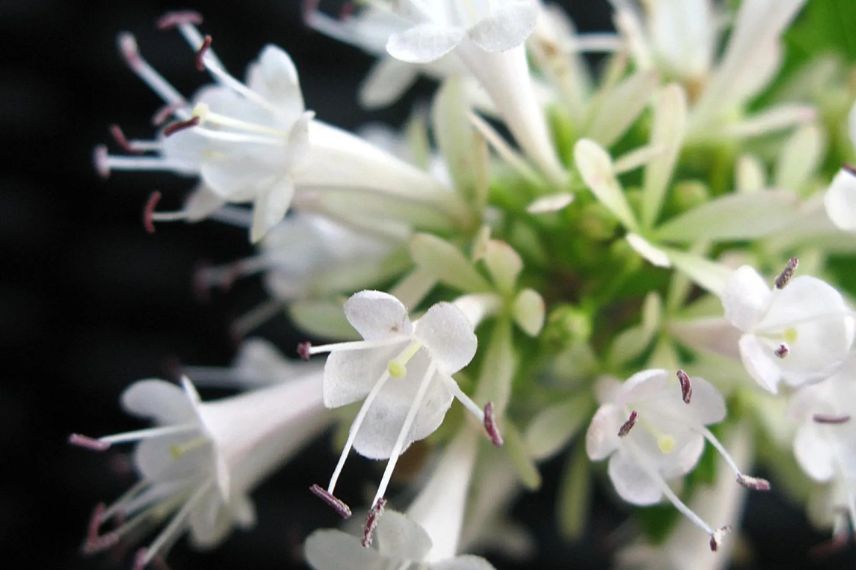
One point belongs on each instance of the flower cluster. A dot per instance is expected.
(545, 230)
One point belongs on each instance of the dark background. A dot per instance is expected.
(89, 302)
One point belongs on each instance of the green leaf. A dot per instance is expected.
(575, 494)
(497, 369)
(553, 427)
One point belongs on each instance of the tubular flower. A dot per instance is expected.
(825, 442)
(254, 141)
(800, 331)
(652, 429)
(201, 460)
(403, 371)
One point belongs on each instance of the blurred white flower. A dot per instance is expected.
(652, 428)
(254, 142)
(399, 543)
(798, 332)
(201, 461)
(403, 371)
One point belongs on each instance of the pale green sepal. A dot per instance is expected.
(553, 427)
(749, 174)
(595, 166)
(707, 274)
(732, 217)
(670, 121)
(521, 459)
(497, 370)
(800, 157)
(412, 289)
(324, 319)
(503, 263)
(446, 263)
(528, 311)
(575, 494)
(632, 342)
(653, 254)
(618, 107)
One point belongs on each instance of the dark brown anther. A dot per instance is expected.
(338, 505)
(782, 351)
(490, 426)
(149, 211)
(177, 126)
(371, 522)
(122, 141)
(788, 272)
(753, 483)
(829, 419)
(174, 19)
(200, 53)
(628, 425)
(304, 350)
(686, 386)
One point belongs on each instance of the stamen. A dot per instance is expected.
(164, 113)
(415, 405)
(782, 351)
(490, 426)
(95, 520)
(787, 273)
(753, 483)
(304, 350)
(130, 52)
(255, 317)
(628, 425)
(171, 532)
(174, 19)
(101, 160)
(371, 522)
(200, 53)
(149, 212)
(686, 386)
(355, 345)
(122, 141)
(137, 435)
(87, 442)
(828, 419)
(338, 505)
(177, 126)
(716, 537)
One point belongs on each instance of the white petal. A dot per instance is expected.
(274, 77)
(386, 82)
(201, 203)
(840, 201)
(377, 315)
(707, 405)
(155, 459)
(270, 207)
(684, 458)
(649, 251)
(506, 27)
(814, 453)
(397, 536)
(632, 483)
(449, 336)
(334, 550)
(209, 522)
(385, 417)
(350, 374)
(550, 203)
(745, 298)
(423, 43)
(759, 362)
(602, 436)
(161, 401)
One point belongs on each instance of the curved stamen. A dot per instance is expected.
(371, 522)
(200, 53)
(149, 211)
(130, 52)
(753, 483)
(175, 19)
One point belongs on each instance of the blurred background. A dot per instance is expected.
(89, 302)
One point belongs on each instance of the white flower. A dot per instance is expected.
(403, 371)
(202, 460)
(798, 332)
(254, 142)
(399, 543)
(652, 428)
(825, 441)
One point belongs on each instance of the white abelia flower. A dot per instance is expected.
(403, 372)
(399, 543)
(489, 38)
(255, 142)
(799, 331)
(653, 428)
(202, 459)
(825, 441)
